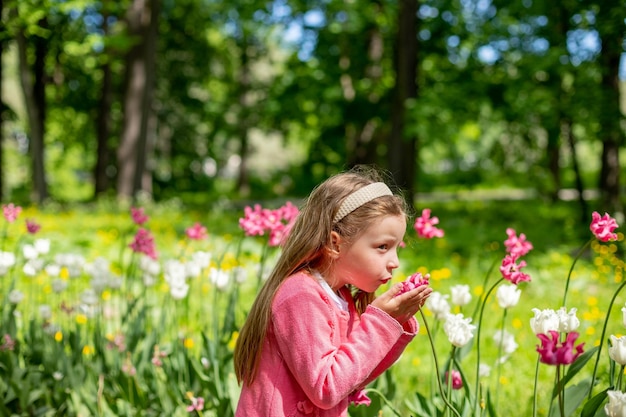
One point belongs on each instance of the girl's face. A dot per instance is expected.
(368, 262)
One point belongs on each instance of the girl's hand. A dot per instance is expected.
(403, 306)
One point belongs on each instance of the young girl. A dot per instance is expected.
(316, 334)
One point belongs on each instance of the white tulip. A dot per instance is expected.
(568, 322)
(438, 305)
(458, 329)
(460, 295)
(508, 295)
(617, 350)
(617, 404)
(544, 321)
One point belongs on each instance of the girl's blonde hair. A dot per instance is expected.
(307, 247)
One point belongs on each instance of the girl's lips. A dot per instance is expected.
(386, 280)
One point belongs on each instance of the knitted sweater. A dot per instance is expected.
(315, 355)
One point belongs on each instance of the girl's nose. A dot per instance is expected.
(394, 262)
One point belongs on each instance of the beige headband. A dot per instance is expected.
(360, 197)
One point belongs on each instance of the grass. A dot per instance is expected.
(474, 230)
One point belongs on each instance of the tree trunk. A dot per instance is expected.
(103, 120)
(402, 152)
(142, 20)
(3, 109)
(568, 133)
(243, 183)
(610, 26)
(33, 87)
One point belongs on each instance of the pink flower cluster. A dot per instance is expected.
(144, 243)
(196, 232)
(554, 352)
(516, 247)
(277, 223)
(457, 380)
(414, 281)
(602, 227)
(425, 226)
(11, 212)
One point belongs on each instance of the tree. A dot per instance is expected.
(134, 149)
(610, 26)
(403, 147)
(32, 42)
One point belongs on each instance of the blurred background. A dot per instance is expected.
(208, 100)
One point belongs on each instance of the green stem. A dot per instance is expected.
(561, 396)
(449, 375)
(432, 345)
(499, 363)
(595, 366)
(535, 388)
(478, 324)
(385, 400)
(619, 378)
(493, 265)
(571, 269)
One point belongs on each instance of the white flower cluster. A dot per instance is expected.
(616, 407)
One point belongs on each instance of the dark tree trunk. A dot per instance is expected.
(402, 152)
(142, 20)
(33, 87)
(103, 121)
(3, 109)
(610, 25)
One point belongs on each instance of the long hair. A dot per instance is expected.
(307, 248)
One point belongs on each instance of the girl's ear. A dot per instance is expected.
(335, 244)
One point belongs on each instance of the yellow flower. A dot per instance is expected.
(88, 350)
(479, 290)
(106, 295)
(517, 323)
(81, 319)
(58, 336)
(233, 340)
(188, 343)
(64, 273)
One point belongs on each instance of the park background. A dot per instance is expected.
(493, 114)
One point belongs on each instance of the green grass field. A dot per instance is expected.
(473, 244)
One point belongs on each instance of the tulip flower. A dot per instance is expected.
(437, 303)
(616, 406)
(425, 226)
(414, 281)
(460, 295)
(458, 329)
(138, 215)
(517, 245)
(508, 295)
(511, 269)
(11, 212)
(554, 352)
(617, 351)
(457, 381)
(568, 322)
(602, 227)
(196, 232)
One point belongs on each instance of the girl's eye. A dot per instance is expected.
(383, 247)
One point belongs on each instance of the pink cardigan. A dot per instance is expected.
(315, 355)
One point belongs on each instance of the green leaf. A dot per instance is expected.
(592, 406)
(573, 398)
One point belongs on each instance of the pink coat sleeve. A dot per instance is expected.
(327, 365)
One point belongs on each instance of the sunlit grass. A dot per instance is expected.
(472, 246)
